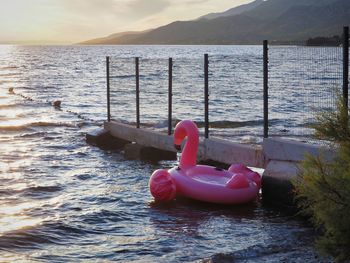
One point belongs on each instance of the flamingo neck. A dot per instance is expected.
(189, 153)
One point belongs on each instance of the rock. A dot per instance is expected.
(103, 139)
(57, 104)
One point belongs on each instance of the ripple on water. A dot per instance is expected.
(43, 233)
(42, 191)
(64, 201)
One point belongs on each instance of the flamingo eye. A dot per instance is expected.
(177, 147)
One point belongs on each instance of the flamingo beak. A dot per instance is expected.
(177, 147)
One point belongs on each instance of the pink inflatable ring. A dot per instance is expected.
(237, 185)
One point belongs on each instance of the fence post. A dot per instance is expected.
(206, 96)
(346, 65)
(266, 94)
(170, 95)
(137, 75)
(108, 91)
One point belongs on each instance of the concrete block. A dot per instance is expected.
(201, 153)
(103, 139)
(284, 150)
(156, 155)
(278, 192)
(209, 149)
(277, 187)
(132, 151)
(283, 170)
(228, 152)
(143, 137)
(92, 136)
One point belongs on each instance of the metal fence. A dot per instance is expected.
(155, 92)
(300, 82)
(303, 81)
(274, 91)
(235, 84)
(216, 94)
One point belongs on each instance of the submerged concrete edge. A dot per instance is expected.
(209, 149)
(280, 158)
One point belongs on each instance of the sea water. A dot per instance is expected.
(62, 200)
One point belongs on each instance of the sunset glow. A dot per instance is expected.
(71, 21)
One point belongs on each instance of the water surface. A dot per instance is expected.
(62, 200)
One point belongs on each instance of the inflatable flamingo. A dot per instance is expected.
(236, 185)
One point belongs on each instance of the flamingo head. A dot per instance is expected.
(162, 186)
(187, 129)
(182, 130)
(179, 135)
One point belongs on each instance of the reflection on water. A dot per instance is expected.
(62, 200)
(241, 230)
(10, 223)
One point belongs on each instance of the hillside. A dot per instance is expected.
(276, 20)
(234, 11)
(110, 40)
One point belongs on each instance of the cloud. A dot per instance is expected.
(135, 9)
(69, 21)
(90, 6)
(142, 8)
(98, 18)
(195, 1)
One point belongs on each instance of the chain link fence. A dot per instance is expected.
(303, 81)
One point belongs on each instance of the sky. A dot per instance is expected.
(72, 21)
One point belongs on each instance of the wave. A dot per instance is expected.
(46, 232)
(267, 253)
(232, 124)
(33, 134)
(122, 77)
(46, 102)
(8, 67)
(37, 191)
(30, 238)
(43, 189)
(8, 74)
(104, 216)
(7, 106)
(48, 65)
(163, 124)
(31, 125)
(214, 124)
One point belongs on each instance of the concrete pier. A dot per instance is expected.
(209, 149)
(103, 139)
(280, 158)
(282, 165)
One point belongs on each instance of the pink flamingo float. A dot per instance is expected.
(237, 185)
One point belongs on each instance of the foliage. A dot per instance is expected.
(334, 125)
(323, 187)
(334, 41)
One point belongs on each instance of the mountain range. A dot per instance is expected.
(280, 21)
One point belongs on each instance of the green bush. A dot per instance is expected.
(323, 187)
